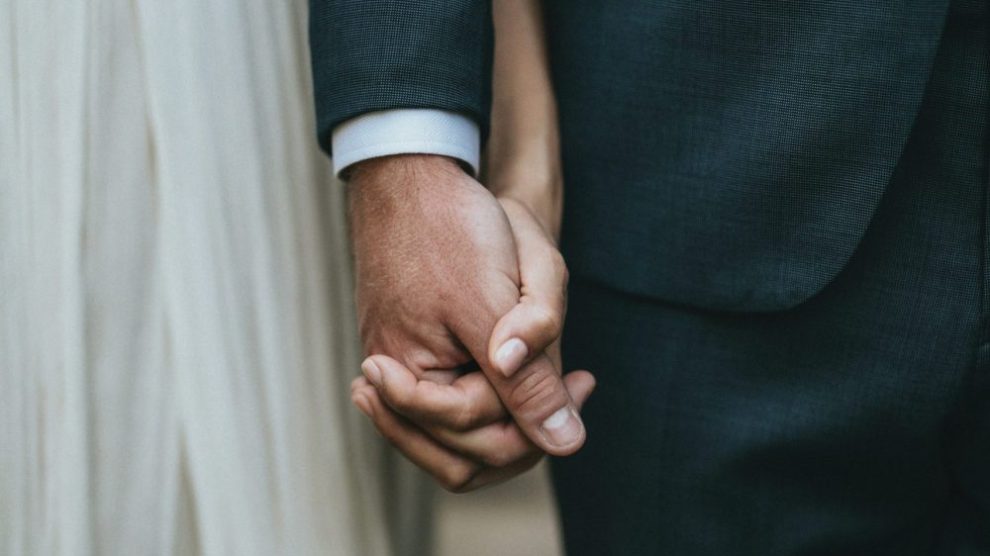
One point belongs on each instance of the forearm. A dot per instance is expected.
(523, 152)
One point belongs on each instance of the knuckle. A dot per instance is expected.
(400, 399)
(560, 267)
(497, 459)
(500, 458)
(537, 392)
(557, 263)
(456, 477)
(557, 260)
(547, 320)
(465, 418)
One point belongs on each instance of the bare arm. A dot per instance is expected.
(523, 153)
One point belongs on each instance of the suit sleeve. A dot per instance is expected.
(372, 55)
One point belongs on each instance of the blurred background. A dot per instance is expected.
(177, 332)
(517, 518)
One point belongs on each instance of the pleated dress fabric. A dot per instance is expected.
(176, 321)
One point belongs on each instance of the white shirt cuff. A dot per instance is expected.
(406, 131)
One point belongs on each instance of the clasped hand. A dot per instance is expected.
(452, 279)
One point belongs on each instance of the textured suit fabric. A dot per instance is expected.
(373, 55)
(776, 221)
(722, 154)
(857, 423)
(730, 154)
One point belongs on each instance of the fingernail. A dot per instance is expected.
(563, 428)
(362, 403)
(372, 371)
(510, 356)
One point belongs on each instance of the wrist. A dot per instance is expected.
(390, 168)
(537, 186)
(381, 190)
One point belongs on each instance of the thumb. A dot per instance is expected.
(545, 405)
(535, 395)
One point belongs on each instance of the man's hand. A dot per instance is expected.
(459, 431)
(437, 267)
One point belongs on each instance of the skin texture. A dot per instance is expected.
(450, 272)
(523, 150)
(437, 265)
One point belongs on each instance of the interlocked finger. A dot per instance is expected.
(466, 403)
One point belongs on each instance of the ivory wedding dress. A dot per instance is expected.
(176, 337)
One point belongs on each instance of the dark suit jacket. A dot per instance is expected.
(726, 154)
